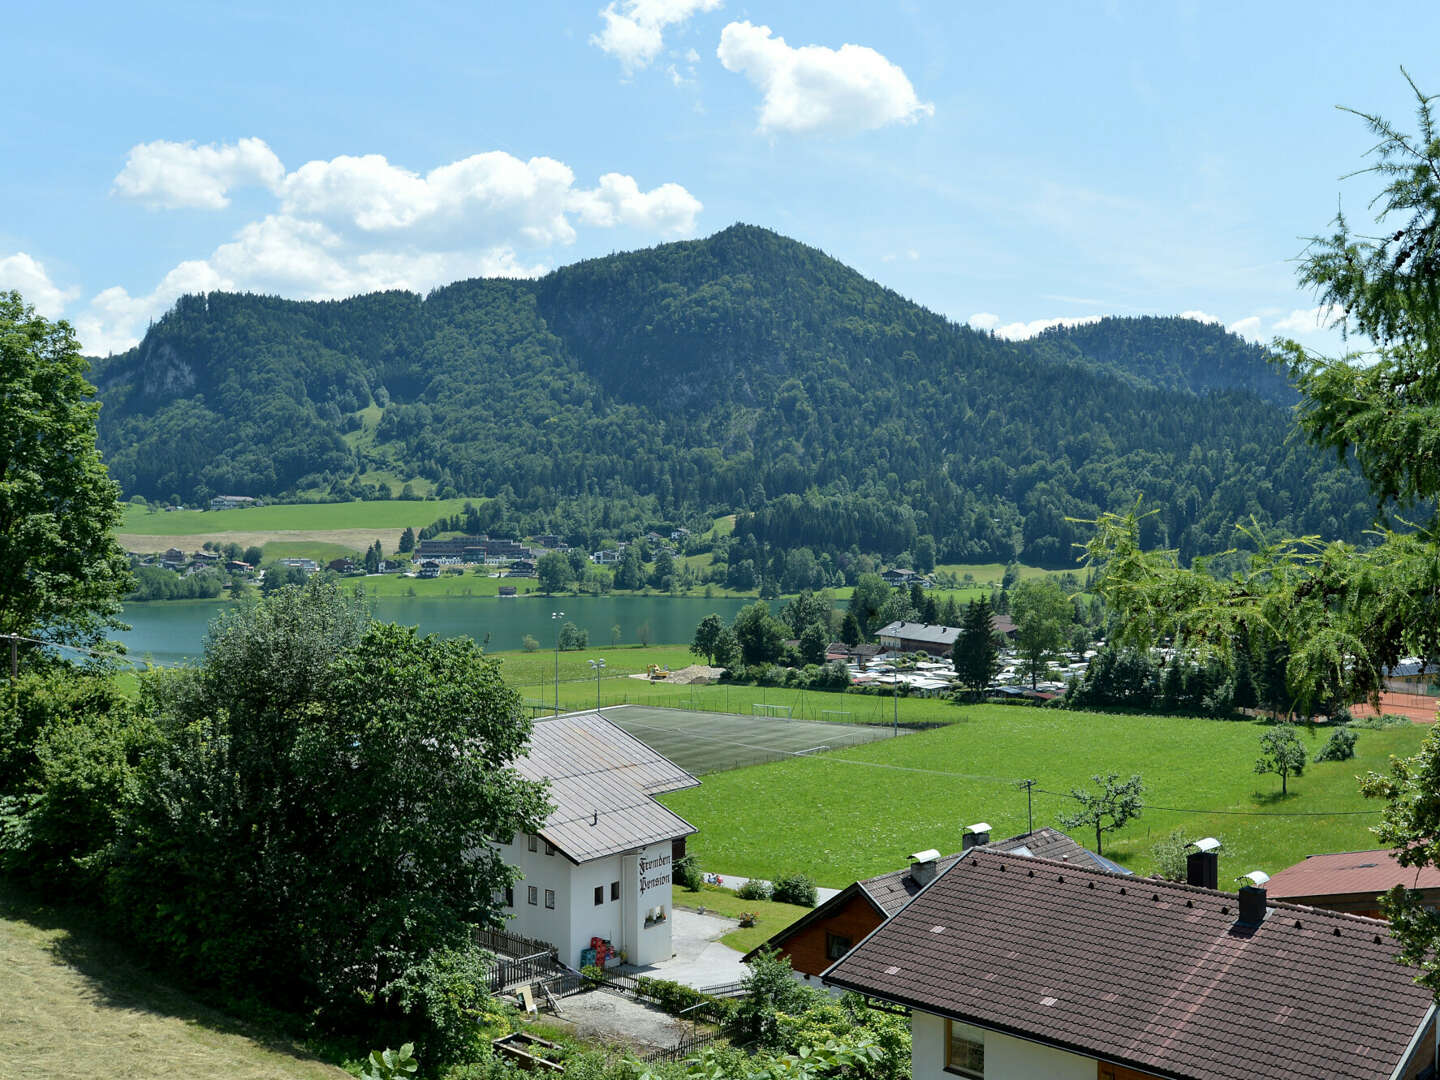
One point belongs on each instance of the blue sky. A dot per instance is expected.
(1002, 164)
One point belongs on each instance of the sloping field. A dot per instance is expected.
(707, 742)
(71, 1007)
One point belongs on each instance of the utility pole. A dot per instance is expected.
(1029, 802)
(14, 657)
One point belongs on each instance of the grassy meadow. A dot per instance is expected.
(73, 1005)
(858, 812)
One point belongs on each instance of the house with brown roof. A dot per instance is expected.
(601, 864)
(829, 931)
(1353, 881)
(1016, 967)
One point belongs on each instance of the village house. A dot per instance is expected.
(918, 637)
(1016, 967)
(601, 865)
(829, 931)
(1353, 881)
(231, 502)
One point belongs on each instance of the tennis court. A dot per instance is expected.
(707, 742)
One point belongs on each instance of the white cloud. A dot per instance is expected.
(1020, 331)
(356, 224)
(1307, 320)
(1248, 328)
(634, 31)
(668, 209)
(174, 174)
(814, 88)
(1202, 316)
(27, 276)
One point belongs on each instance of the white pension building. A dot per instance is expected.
(600, 866)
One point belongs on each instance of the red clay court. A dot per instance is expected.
(1417, 707)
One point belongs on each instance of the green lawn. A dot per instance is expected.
(858, 812)
(772, 919)
(303, 516)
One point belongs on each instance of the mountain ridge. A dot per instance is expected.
(723, 373)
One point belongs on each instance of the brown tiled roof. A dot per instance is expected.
(1148, 974)
(601, 782)
(894, 890)
(1344, 872)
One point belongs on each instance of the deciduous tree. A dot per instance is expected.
(1108, 809)
(1042, 615)
(1281, 753)
(61, 572)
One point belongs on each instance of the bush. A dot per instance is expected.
(1379, 723)
(1170, 855)
(794, 889)
(449, 994)
(529, 644)
(688, 874)
(1339, 747)
(755, 889)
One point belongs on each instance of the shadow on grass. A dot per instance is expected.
(118, 980)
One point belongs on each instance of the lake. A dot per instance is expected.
(173, 632)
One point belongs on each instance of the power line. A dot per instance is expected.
(1235, 813)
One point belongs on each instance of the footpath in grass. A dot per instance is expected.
(72, 1006)
(858, 812)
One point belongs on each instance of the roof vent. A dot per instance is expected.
(923, 866)
(1253, 908)
(1202, 866)
(975, 835)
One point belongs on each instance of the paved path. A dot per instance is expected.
(700, 959)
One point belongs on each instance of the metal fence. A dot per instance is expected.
(513, 945)
(724, 990)
(517, 971)
(680, 1051)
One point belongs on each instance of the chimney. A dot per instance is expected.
(975, 835)
(1252, 899)
(923, 866)
(1202, 866)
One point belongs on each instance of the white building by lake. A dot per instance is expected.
(601, 865)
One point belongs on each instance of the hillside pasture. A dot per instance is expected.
(856, 812)
(72, 1005)
(389, 514)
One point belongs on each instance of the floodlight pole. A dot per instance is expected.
(599, 666)
(553, 616)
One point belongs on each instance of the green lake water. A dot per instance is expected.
(171, 632)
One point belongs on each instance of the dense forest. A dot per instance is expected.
(743, 372)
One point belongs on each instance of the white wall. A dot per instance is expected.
(1006, 1058)
(576, 918)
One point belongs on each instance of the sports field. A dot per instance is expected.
(707, 742)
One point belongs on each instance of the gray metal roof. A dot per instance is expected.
(602, 782)
(914, 631)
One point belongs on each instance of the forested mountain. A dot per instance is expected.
(743, 372)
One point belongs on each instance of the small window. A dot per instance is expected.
(964, 1050)
(509, 896)
(614, 890)
(534, 842)
(549, 848)
(550, 898)
(599, 895)
(532, 894)
(836, 946)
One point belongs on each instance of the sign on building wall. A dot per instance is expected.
(655, 879)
